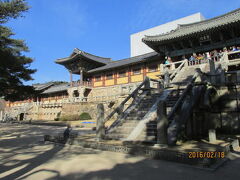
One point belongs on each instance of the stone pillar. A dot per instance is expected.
(166, 78)
(162, 123)
(100, 130)
(212, 71)
(212, 135)
(71, 83)
(212, 66)
(147, 84)
(1, 115)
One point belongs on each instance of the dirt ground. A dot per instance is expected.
(24, 155)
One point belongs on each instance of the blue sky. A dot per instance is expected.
(53, 28)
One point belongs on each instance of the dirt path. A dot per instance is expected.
(23, 155)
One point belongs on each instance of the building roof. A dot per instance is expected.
(124, 62)
(57, 88)
(193, 28)
(40, 87)
(79, 53)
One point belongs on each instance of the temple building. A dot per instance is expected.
(199, 37)
(105, 80)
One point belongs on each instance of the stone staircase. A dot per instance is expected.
(130, 122)
(186, 74)
(132, 119)
(140, 124)
(138, 117)
(149, 134)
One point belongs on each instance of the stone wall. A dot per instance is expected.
(39, 112)
(2, 104)
(110, 96)
(223, 115)
(111, 93)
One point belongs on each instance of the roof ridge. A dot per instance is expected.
(180, 26)
(81, 51)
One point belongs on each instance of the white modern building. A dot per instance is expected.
(139, 48)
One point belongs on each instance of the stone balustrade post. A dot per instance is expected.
(100, 130)
(166, 78)
(147, 83)
(212, 135)
(162, 123)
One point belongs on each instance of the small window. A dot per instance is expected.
(136, 71)
(122, 74)
(153, 68)
(109, 76)
(97, 78)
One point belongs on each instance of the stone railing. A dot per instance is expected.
(224, 78)
(79, 83)
(233, 55)
(143, 87)
(172, 66)
(182, 109)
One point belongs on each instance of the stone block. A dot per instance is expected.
(212, 135)
(230, 122)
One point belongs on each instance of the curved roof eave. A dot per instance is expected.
(79, 53)
(192, 28)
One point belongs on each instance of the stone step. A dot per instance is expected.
(144, 109)
(134, 118)
(114, 136)
(139, 110)
(140, 114)
(123, 130)
(130, 122)
(144, 103)
(147, 138)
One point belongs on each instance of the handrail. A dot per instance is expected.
(119, 108)
(173, 63)
(185, 92)
(178, 69)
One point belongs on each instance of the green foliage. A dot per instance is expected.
(12, 9)
(73, 117)
(14, 66)
(85, 116)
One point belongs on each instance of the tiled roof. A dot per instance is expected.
(124, 62)
(79, 53)
(193, 28)
(57, 88)
(43, 86)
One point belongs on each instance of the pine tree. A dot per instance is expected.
(14, 65)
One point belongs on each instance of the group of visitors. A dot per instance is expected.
(216, 55)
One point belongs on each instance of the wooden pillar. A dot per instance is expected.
(232, 33)
(129, 75)
(191, 43)
(71, 83)
(81, 76)
(100, 130)
(144, 70)
(221, 36)
(103, 79)
(115, 78)
(162, 124)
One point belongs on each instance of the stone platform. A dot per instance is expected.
(182, 153)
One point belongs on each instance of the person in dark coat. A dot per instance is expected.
(66, 132)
